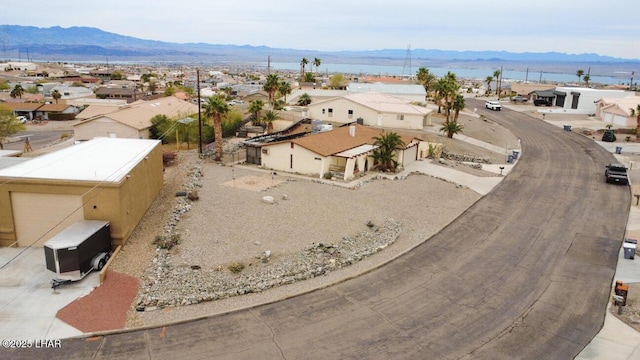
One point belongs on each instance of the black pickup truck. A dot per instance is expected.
(616, 173)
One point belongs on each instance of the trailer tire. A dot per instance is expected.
(101, 264)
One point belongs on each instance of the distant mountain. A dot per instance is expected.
(92, 44)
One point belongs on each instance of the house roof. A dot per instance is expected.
(114, 91)
(405, 89)
(138, 115)
(96, 110)
(53, 107)
(544, 93)
(100, 159)
(625, 104)
(22, 106)
(339, 140)
(386, 103)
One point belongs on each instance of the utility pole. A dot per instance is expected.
(500, 86)
(199, 115)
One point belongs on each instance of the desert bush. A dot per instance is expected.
(168, 157)
(193, 195)
(236, 267)
(167, 241)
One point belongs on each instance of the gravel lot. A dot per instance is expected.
(230, 223)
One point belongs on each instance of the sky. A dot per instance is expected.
(568, 26)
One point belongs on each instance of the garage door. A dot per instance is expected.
(620, 120)
(410, 155)
(38, 217)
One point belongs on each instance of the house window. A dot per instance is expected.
(322, 111)
(292, 145)
(400, 116)
(265, 151)
(330, 112)
(350, 112)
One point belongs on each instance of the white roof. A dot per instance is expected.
(358, 150)
(100, 159)
(387, 104)
(75, 234)
(412, 89)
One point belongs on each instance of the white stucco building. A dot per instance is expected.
(579, 100)
(344, 152)
(372, 109)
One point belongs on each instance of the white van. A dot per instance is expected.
(493, 105)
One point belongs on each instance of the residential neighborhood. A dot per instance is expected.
(252, 153)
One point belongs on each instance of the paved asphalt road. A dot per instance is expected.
(525, 273)
(37, 138)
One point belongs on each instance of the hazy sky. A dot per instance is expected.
(571, 26)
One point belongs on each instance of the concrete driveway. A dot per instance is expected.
(28, 305)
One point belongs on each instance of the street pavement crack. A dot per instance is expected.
(273, 333)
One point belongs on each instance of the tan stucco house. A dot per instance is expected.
(344, 152)
(618, 111)
(102, 179)
(372, 109)
(132, 121)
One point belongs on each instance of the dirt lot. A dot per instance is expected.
(229, 220)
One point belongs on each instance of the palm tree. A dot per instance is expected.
(458, 105)
(636, 112)
(451, 128)
(496, 75)
(439, 89)
(488, 80)
(304, 100)
(426, 79)
(254, 108)
(446, 91)
(586, 79)
(303, 63)
(215, 109)
(317, 62)
(269, 117)
(385, 154)
(579, 73)
(55, 94)
(284, 88)
(17, 92)
(271, 86)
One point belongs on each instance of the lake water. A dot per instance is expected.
(467, 73)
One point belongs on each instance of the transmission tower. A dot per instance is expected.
(407, 72)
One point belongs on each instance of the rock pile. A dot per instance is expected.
(166, 285)
(466, 158)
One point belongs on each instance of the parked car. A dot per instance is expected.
(608, 136)
(616, 173)
(493, 105)
(22, 119)
(541, 102)
(520, 99)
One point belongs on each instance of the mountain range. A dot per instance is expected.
(92, 44)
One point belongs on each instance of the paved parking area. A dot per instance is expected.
(28, 305)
